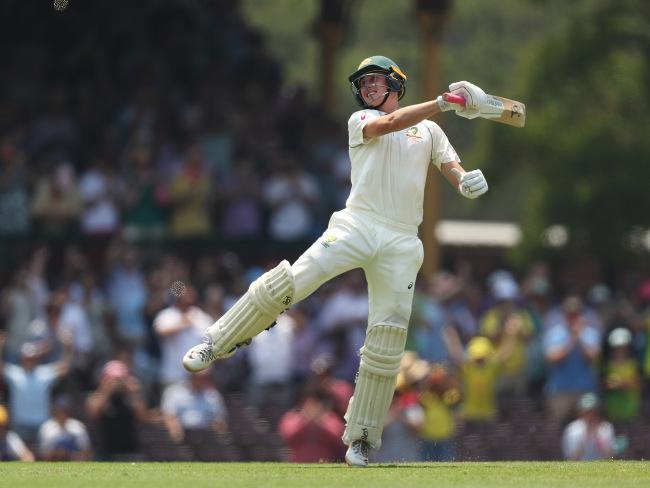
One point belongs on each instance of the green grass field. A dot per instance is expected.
(617, 474)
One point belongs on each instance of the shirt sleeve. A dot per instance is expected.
(45, 438)
(442, 150)
(11, 372)
(590, 337)
(15, 445)
(168, 401)
(555, 338)
(356, 123)
(48, 373)
(81, 435)
(571, 440)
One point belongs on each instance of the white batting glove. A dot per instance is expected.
(445, 106)
(471, 184)
(475, 99)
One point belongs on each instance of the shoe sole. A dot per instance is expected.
(352, 465)
(193, 370)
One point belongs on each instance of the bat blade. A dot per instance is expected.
(501, 109)
(512, 112)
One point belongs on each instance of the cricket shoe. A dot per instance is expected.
(203, 355)
(357, 454)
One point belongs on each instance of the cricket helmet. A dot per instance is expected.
(395, 77)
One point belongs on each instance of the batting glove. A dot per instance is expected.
(475, 99)
(471, 184)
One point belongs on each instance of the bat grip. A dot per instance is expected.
(453, 98)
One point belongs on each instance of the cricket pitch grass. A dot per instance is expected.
(618, 474)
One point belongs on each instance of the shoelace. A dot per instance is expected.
(206, 354)
(360, 447)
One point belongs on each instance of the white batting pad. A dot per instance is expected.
(380, 359)
(267, 297)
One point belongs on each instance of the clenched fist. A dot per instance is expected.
(471, 184)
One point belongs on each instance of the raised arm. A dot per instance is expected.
(400, 119)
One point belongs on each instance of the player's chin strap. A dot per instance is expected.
(382, 102)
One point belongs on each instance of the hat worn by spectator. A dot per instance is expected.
(505, 289)
(619, 337)
(588, 402)
(4, 416)
(479, 348)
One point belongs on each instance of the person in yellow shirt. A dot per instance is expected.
(622, 378)
(480, 371)
(190, 194)
(438, 399)
(512, 379)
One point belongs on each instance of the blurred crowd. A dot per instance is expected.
(91, 363)
(118, 147)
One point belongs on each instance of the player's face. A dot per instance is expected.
(373, 88)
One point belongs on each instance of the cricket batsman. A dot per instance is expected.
(391, 149)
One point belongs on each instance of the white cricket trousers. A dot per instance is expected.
(389, 253)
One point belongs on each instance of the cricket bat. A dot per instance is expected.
(505, 110)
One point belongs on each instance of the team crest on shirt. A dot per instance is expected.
(412, 135)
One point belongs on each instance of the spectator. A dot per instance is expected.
(242, 209)
(189, 197)
(588, 438)
(177, 326)
(127, 293)
(342, 322)
(30, 385)
(12, 447)
(87, 293)
(451, 294)
(440, 396)
(340, 390)
(400, 440)
(431, 334)
(312, 431)
(193, 404)
(66, 317)
(512, 377)
(291, 194)
(144, 196)
(57, 206)
(19, 308)
(622, 379)
(571, 348)
(479, 373)
(270, 358)
(62, 438)
(100, 215)
(117, 407)
(14, 198)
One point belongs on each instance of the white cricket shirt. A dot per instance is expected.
(389, 172)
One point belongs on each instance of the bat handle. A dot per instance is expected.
(453, 98)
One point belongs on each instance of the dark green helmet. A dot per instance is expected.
(395, 77)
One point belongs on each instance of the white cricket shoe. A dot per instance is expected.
(203, 355)
(357, 454)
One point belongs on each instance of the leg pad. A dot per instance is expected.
(381, 355)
